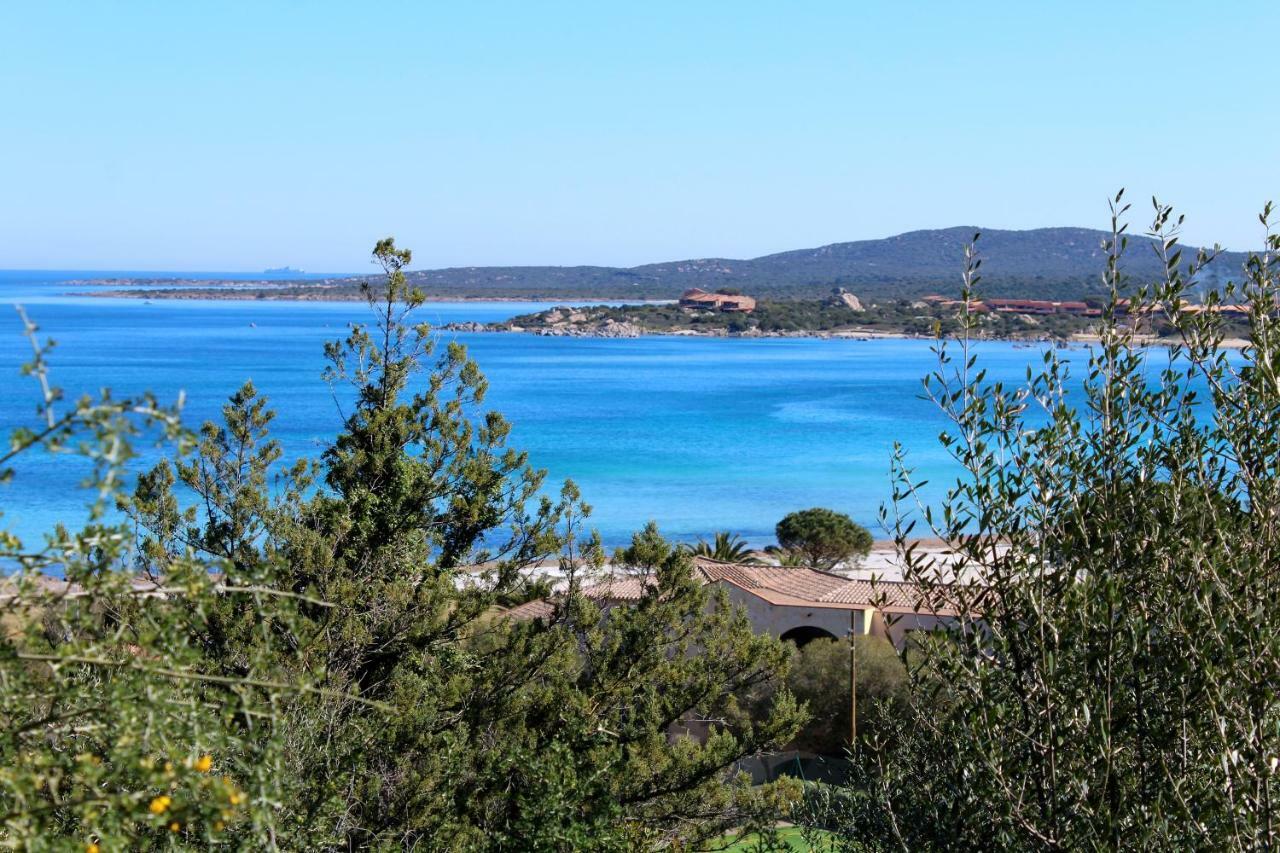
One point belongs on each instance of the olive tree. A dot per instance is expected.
(1106, 679)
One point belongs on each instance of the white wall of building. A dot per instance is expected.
(777, 619)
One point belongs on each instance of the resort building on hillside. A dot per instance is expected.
(697, 298)
(796, 604)
(1044, 307)
(1036, 307)
(1124, 308)
(1232, 312)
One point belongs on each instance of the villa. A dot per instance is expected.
(1041, 307)
(733, 302)
(1038, 307)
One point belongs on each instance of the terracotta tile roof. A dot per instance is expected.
(614, 589)
(539, 608)
(724, 301)
(888, 595)
(618, 588)
(769, 582)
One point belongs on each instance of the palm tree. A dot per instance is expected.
(789, 559)
(726, 547)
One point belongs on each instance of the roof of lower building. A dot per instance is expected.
(796, 583)
(784, 586)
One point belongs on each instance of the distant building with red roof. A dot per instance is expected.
(697, 298)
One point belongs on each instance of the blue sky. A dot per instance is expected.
(225, 136)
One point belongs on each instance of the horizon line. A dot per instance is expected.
(307, 274)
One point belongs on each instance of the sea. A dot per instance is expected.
(697, 434)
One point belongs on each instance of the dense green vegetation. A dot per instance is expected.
(313, 671)
(315, 657)
(910, 317)
(1107, 680)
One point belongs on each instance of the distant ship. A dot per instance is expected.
(283, 271)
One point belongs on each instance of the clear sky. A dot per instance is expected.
(235, 136)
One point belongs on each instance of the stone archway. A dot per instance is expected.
(805, 634)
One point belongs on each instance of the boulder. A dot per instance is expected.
(840, 296)
(614, 329)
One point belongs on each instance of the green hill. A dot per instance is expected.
(1045, 263)
(1048, 262)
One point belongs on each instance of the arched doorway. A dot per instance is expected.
(806, 634)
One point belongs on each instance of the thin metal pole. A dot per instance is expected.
(853, 678)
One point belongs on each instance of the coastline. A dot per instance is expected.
(638, 332)
(246, 295)
(1081, 339)
(231, 293)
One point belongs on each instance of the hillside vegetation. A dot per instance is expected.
(1048, 262)
(797, 317)
(1051, 263)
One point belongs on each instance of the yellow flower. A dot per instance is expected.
(160, 804)
(175, 826)
(218, 826)
(92, 848)
(204, 763)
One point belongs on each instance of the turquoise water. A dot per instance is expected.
(697, 434)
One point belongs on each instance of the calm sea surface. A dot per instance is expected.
(698, 434)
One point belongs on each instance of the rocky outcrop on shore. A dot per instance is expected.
(561, 322)
(608, 328)
(476, 326)
(605, 322)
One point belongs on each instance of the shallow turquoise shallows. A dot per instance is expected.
(698, 434)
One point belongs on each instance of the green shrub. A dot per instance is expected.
(820, 679)
(1107, 677)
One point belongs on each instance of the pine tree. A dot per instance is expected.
(439, 722)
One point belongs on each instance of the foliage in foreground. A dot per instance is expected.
(115, 733)
(1108, 681)
(313, 657)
